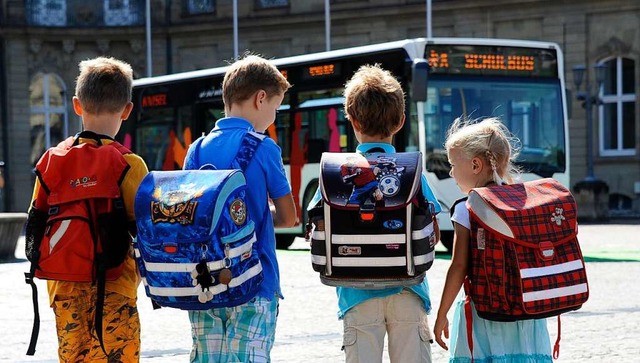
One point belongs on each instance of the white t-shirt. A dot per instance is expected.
(461, 215)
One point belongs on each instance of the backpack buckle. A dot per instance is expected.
(367, 211)
(28, 277)
(546, 250)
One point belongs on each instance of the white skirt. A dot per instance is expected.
(524, 341)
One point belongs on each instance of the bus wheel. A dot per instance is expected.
(283, 241)
(446, 238)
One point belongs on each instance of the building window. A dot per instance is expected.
(120, 12)
(268, 4)
(617, 127)
(48, 120)
(48, 12)
(195, 7)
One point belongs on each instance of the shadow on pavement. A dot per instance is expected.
(12, 260)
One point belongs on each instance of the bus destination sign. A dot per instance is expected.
(321, 71)
(491, 60)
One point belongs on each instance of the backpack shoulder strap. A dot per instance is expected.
(453, 207)
(121, 148)
(248, 146)
(247, 150)
(196, 152)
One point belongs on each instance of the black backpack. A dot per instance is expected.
(373, 227)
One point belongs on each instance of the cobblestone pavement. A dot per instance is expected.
(606, 329)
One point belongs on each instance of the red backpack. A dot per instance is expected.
(77, 230)
(526, 261)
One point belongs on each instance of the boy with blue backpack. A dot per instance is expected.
(252, 91)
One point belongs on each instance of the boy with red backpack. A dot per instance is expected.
(81, 221)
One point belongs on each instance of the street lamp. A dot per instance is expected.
(596, 190)
(590, 98)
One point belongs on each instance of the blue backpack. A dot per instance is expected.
(196, 245)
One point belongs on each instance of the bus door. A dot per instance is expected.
(319, 125)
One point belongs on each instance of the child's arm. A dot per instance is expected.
(455, 277)
(129, 186)
(284, 212)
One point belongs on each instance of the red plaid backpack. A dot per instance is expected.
(526, 261)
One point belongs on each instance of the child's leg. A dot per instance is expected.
(73, 324)
(408, 328)
(208, 334)
(251, 330)
(77, 340)
(364, 330)
(120, 330)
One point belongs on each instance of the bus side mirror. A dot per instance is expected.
(419, 73)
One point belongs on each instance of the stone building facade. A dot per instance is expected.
(42, 41)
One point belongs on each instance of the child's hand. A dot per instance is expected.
(442, 324)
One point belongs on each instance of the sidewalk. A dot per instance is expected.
(604, 330)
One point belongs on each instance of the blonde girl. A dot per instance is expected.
(480, 154)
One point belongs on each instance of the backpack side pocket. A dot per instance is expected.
(34, 232)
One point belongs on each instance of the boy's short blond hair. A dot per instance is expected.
(250, 74)
(374, 99)
(104, 85)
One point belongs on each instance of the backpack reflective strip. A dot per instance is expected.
(319, 260)
(194, 291)
(368, 261)
(367, 239)
(422, 259)
(318, 235)
(64, 225)
(188, 267)
(554, 293)
(252, 272)
(551, 270)
(183, 291)
(423, 233)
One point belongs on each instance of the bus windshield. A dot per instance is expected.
(531, 109)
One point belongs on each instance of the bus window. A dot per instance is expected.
(531, 110)
(162, 137)
(283, 131)
(210, 114)
(324, 127)
(152, 144)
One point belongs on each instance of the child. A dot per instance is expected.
(103, 100)
(252, 91)
(374, 104)
(481, 154)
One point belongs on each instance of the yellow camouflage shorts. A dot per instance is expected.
(77, 341)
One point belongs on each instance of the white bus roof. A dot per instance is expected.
(414, 48)
(298, 59)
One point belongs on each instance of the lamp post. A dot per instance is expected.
(596, 191)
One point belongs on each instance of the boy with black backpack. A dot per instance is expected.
(81, 221)
(374, 104)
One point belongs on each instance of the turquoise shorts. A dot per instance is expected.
(244, 333)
